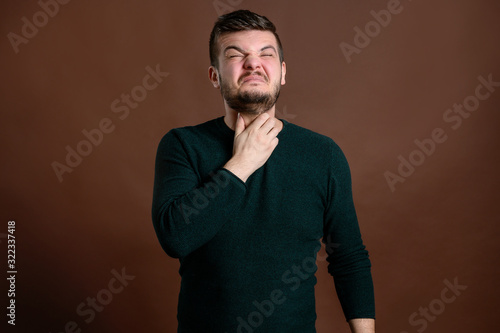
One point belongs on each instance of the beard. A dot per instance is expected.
(249, 102)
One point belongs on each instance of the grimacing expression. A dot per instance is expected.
(250, 72)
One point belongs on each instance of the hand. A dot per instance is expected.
(253, 145)
(362, 325)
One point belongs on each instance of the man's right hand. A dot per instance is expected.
(253, 145)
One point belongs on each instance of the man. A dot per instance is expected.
(243, 201)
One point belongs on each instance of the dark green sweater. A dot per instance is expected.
(248, 250)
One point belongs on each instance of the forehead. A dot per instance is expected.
(251, 40)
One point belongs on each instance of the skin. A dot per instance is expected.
(255, 137)
(362, 325)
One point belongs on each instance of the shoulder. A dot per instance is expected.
(313, 141)
(190, 133)
(202, 128)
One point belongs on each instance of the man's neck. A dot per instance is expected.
(231, 115)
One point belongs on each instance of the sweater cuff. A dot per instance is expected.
(234, 178)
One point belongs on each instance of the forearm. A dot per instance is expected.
(362, 325)
(353, 280)
(186, 222)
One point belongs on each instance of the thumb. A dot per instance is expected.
(239, 125)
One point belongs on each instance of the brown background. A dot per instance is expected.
(439, 224)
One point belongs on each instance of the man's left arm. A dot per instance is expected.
(347, 257)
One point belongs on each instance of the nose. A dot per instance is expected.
(252, 62)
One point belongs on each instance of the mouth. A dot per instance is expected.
(253, 78)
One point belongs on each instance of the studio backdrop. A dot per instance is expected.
(410, 90)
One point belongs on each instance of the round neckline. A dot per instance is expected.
(228, 130)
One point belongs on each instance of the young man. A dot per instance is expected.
(243, 201)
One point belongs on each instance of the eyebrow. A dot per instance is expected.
(239, 49)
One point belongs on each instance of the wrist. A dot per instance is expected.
(238, 169)
(362, 325)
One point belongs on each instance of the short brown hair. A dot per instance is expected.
(240, 20)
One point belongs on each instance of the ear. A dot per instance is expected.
(213, 76)
(283, 73)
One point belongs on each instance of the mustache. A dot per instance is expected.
(247, 74)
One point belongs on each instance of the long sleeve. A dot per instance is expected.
(348, 260)
(247, 246)
(189, 208)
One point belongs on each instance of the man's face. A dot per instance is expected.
(250, 73)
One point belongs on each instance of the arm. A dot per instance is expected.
(187, 211)
(348, 260)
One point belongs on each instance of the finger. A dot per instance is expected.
(269, 125)
(259, 121)
(239, 126)
(274, 132)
